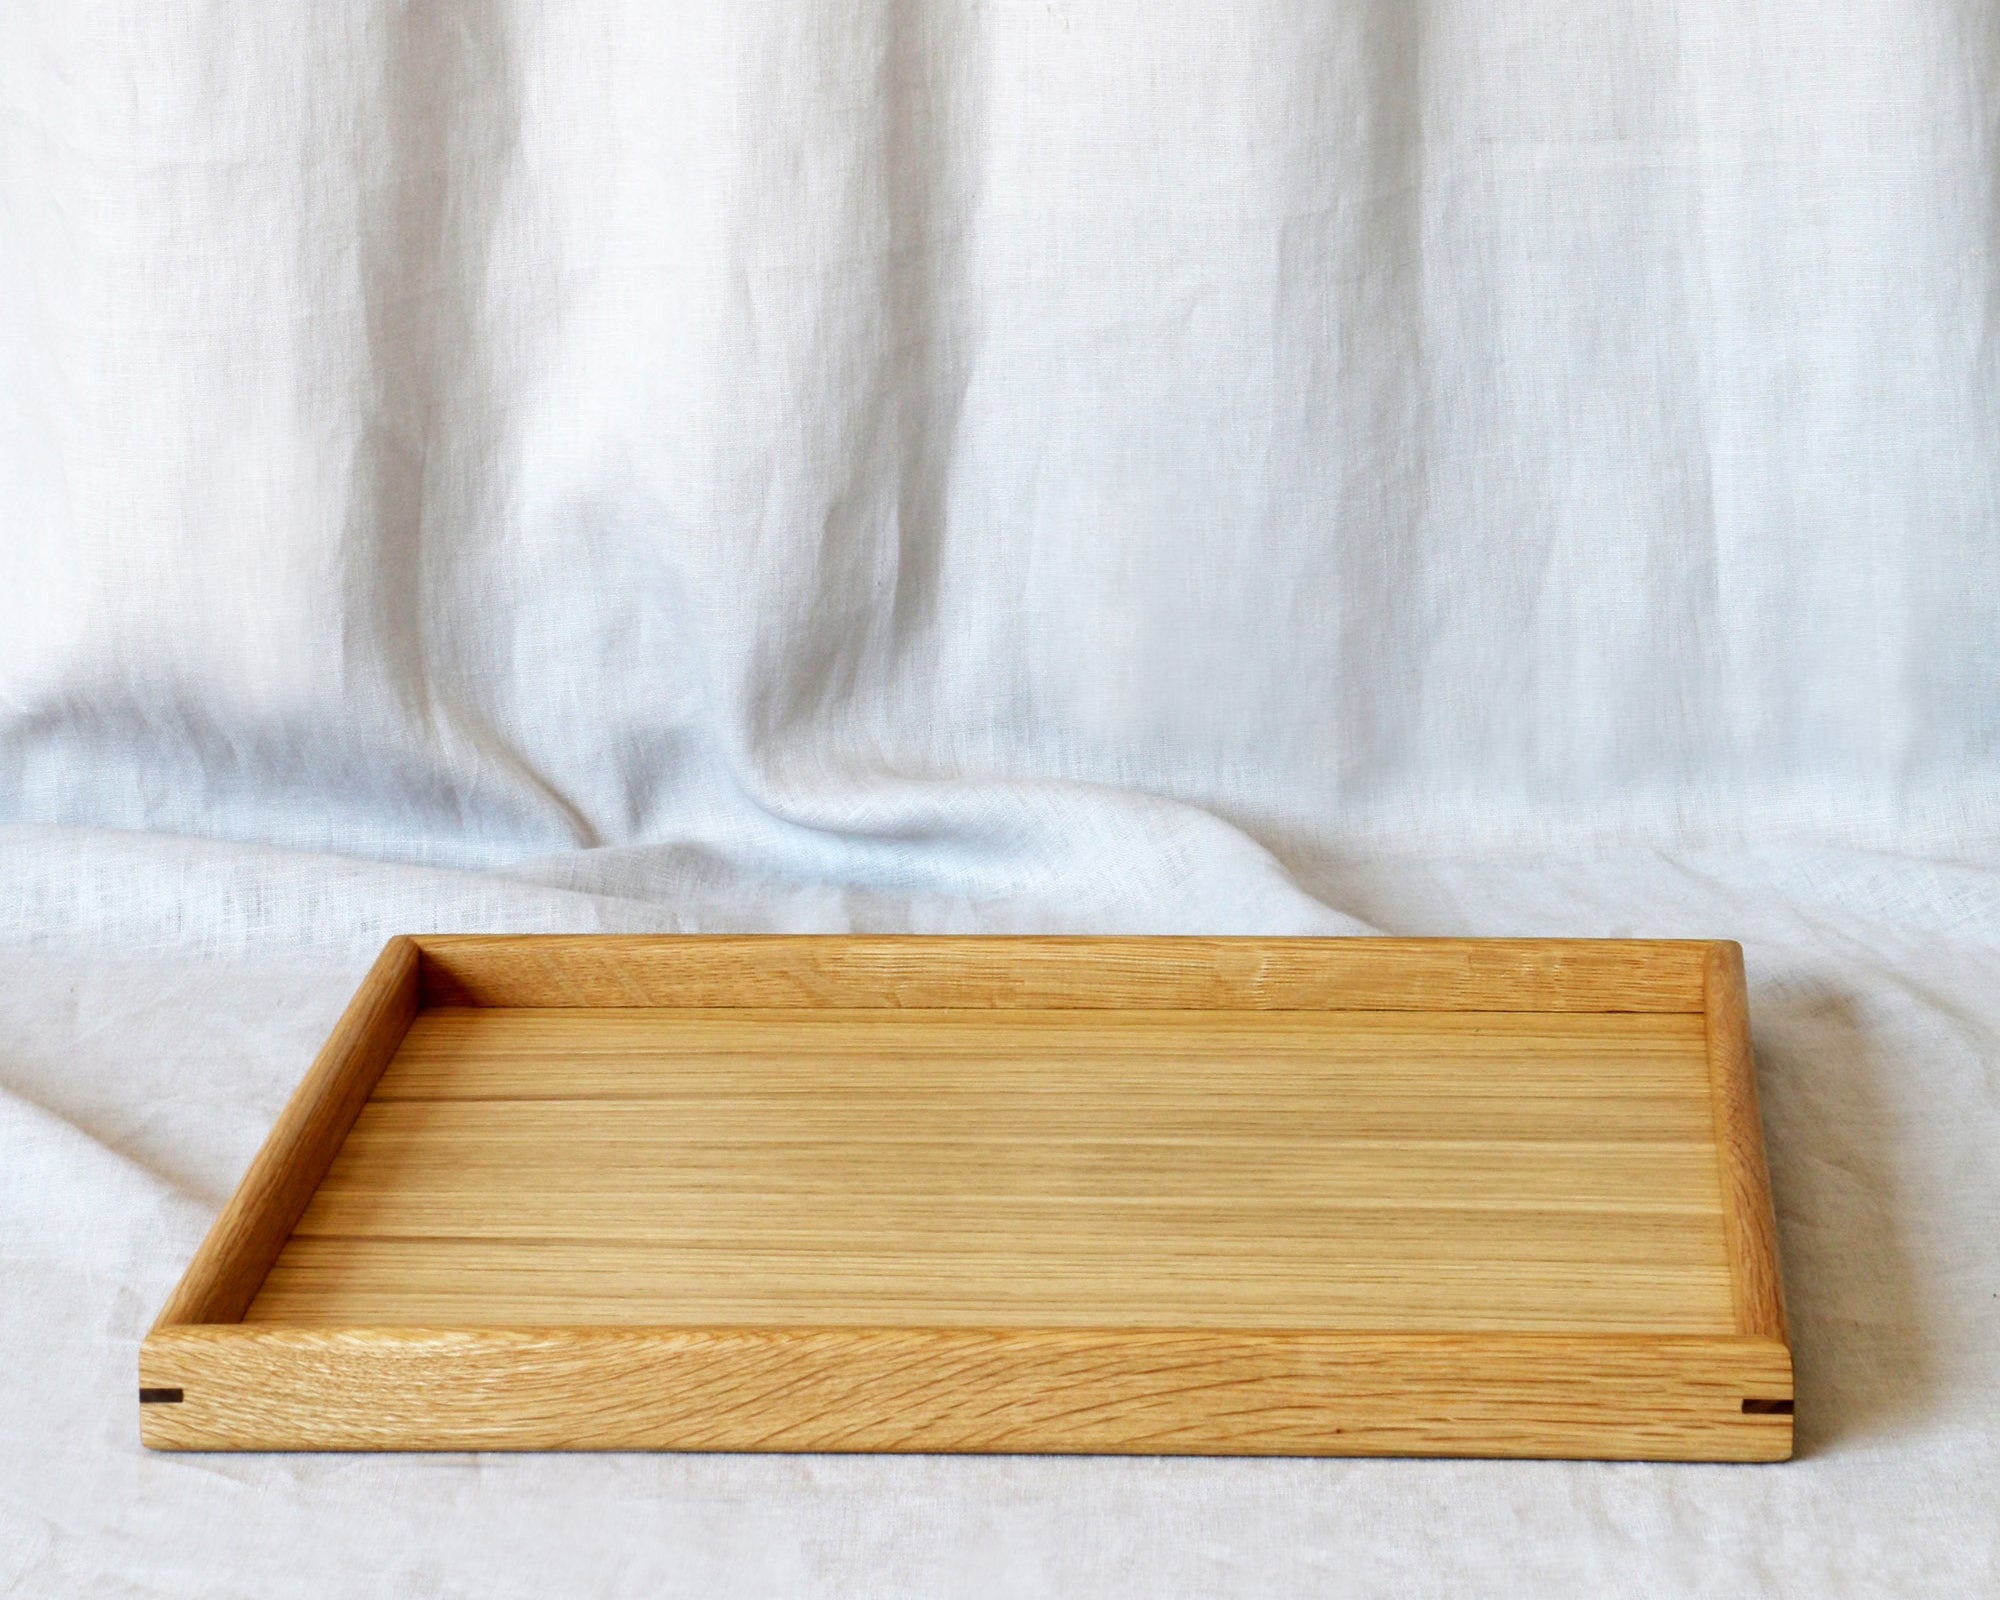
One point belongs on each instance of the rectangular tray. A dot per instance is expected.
(1202, 1196)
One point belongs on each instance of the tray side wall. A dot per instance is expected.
(1749, 1221)
(1220, 1393)
(230, 1266)
(1066, 972)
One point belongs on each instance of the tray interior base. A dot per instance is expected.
(1436, 1171)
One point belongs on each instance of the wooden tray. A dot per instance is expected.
(1207, 1196)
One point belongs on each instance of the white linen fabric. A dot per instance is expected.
(994, 466)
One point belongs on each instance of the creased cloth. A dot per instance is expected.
(1002, 466)
(842, 440)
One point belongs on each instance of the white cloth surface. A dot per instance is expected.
(937, 464)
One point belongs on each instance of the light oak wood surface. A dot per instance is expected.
(245, 1239)
(1062, 1390)
(1059, 1170)
(863, 972)
(852, 1173)
(1750, 1225)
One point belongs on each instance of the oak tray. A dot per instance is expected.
(1205, 1196)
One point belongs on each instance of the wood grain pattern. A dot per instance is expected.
(1221, 1393)
(809, 1169)
(619, 1054)
(245, 1239)
(1751, 1225)
(1326, 1196)
(1069, 973)
(528, 1283)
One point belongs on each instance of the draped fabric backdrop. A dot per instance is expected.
(1023, 464)
(863, 440)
